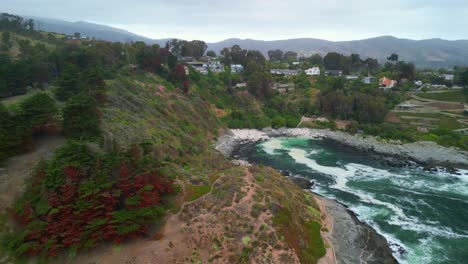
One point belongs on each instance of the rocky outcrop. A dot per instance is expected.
(353, 241)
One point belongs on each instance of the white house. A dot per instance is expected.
(236, 68)
(448, 77)
(418, 83)
(352, 77)
(286, 72)
(368, 80)
(313, 71)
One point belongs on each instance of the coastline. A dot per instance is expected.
(350, 240)
(427, 154)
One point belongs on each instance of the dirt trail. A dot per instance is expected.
(18, 168)
(191, 234)
(327, 221)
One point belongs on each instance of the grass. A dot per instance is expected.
(194, 192)
(307, 240)
(453, 96)
(443, 121)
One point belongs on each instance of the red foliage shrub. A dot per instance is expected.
(81, 215)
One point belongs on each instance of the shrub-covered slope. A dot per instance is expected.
(117, 190)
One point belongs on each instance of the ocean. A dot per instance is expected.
(423, 214)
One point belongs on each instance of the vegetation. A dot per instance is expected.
(80, 198)
(454, 96)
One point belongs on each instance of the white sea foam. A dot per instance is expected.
(272, 145)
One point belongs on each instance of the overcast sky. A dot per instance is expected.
(214, 20)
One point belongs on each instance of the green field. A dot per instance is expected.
(455, 96)
(443, 121)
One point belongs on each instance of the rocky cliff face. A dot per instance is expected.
(355, 242)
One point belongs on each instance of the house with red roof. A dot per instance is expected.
(386, 84)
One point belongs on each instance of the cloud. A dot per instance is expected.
(263, 19)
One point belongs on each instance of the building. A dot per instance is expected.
(386, 84)
(295, 63)
(216, 66)
(352, 77)
(448, 77)
(406, 106)
(314, 71)
(200, 67)
(284, 72)
(187, 59)
(283, 87)
(334, 73)
(368, 80)
(418, 83)
(237, 68)
(241, 85)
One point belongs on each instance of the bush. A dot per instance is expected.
(80, 118)
(12, 133)
(80, 198)
(38, 109)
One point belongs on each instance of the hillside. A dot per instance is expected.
(424, 53)
(219, 211)
(87, 29)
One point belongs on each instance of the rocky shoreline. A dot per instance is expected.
(353, 241)
(429, 155)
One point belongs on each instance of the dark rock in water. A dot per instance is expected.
(303, 182)
(451, 170)
(285, 173)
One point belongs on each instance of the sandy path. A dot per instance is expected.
(17, 169)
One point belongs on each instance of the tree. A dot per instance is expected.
(464, 83)
(393, 58)
(372, 65)
(258, 80)
(197, 48)
(275, 55)
(6, 40)
(68, 83)
(12, 133)
(38, 110)
(77, 35)
(211, 54)
(80, 117)
(406, 70)
(290, 56)
(238, 55)
(255, 55)
(315, 59)
(332, 61)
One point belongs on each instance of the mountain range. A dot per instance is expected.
(431, 53)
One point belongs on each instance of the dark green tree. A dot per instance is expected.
(80, 117)
(38, 110)
(211, 53)
(275, 55)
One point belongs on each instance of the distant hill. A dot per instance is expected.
(97, 31)
(424, 53)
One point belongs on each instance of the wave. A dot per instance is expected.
(398, 211)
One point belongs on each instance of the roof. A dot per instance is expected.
(386, 81)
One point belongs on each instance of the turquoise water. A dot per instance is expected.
(423, 215)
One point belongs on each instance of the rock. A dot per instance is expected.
(303, 182)
(354, 241)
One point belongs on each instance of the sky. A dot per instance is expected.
(216, 20)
